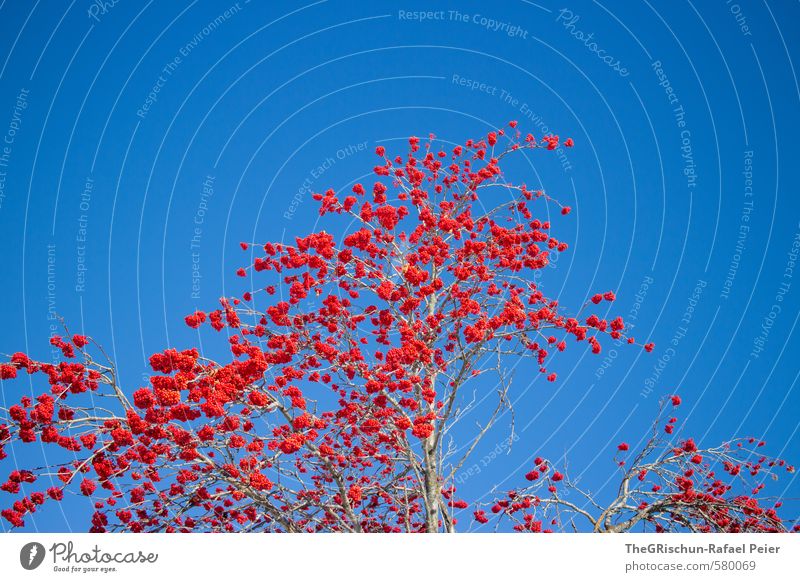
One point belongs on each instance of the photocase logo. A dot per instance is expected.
(31, 555)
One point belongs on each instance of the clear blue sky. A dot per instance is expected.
(684, 182)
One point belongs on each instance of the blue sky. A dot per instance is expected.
(148, 139)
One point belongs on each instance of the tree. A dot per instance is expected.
(350, 365)
(670, 485)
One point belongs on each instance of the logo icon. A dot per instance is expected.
(31, 555)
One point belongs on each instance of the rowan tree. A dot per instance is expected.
(350, 364)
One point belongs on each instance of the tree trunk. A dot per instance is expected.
(432, 486)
